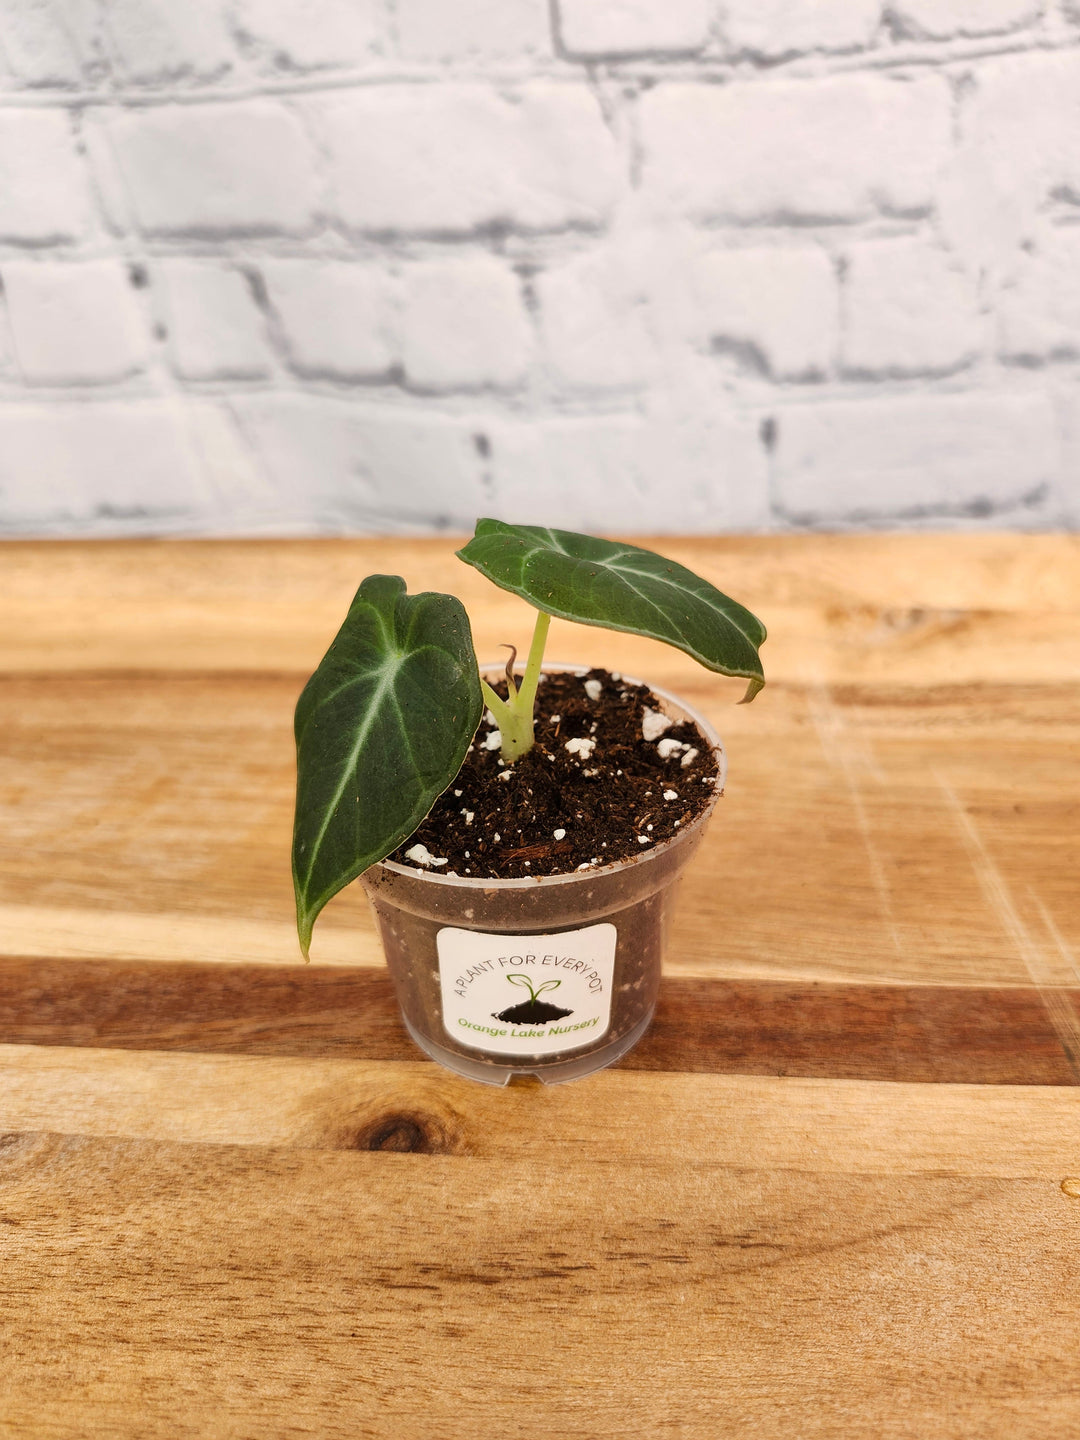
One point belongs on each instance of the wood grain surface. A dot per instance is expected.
(834, 1192)
(959, 1034)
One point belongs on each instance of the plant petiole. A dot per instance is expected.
(515, 716)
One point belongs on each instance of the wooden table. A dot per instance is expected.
(836, 1190)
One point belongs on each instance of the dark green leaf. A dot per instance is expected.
(621, 587)
(382, 728)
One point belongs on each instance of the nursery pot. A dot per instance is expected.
(472, 960)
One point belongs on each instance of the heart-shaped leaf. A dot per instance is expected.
(621, 587)
(382, 728)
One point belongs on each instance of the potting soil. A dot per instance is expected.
(593, 790)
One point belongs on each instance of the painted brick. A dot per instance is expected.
(50, 43)
(635, 297)
(778, 308)
(908, 308)
(1019, 143)
(337, 319)
(240, 500)
(1040, 310)
(299, 35)
(453, 158)
(925, 457)
(337, 465)
(157, 41)
(99, 468)
(473, 29)
(44, 189)
(9, 367)
(594, 320)
(590, 28)
(215, 329)
(244, 168)
(775, 28)
(943, 19)
(978, 217)
(74, 323)
(836, 148)
(463, 324)
(656, 473)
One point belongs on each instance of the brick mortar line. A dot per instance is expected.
(453, 403)
(333, 242)
(822, 66)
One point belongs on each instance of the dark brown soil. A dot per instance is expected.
(531, 1012)
(611, 803)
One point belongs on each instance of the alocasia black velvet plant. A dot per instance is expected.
(384, 723)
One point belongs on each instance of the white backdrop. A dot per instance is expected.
(276, 266)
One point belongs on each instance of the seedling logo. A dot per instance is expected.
(532, 1011)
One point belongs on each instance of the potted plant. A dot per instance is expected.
(514, 832)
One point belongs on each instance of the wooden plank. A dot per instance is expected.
(887, 1032)
(866, 836)
(97, 933)
(172, 1290)
(911, 609)
(211, 1236)
(615, 1118)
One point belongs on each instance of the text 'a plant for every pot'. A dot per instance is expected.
(518, 836)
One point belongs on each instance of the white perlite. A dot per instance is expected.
(423, 856)
(689, 758)
(582, 746)
(559, 834)
(667, 748)
(654, 723)
(594, 689)
(493, 740)
(671, 794)
(506, 774)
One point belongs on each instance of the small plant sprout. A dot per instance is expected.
(515, 715)
(534, 991)
(384, 724)
(533, 1011)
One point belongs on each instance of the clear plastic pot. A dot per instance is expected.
(471, 958)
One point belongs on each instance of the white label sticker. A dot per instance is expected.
(527, 994)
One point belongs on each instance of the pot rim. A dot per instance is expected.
(530, 882)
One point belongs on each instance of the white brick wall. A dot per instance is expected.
(44, 190)
(845, 148)
(463, 325)
(73, 324)
(775, 307)
(909, 309)
(619, 28)
(338, 320)
(517, 32)
(917, 458)
(306, 265)
(776, 28)
(215, 170)
(215, 333)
